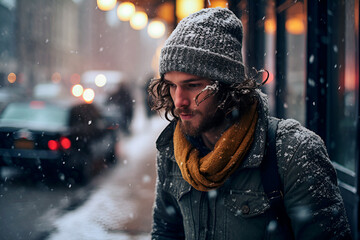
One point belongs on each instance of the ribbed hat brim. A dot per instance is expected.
(200, 62)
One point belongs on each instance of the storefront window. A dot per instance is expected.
(285, 48)
(343, 98)
(295, 62)
(269, 56)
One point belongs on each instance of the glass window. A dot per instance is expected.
(269, 56)
(343, 99)
(293, 103)
(35, 114)
(295, 27)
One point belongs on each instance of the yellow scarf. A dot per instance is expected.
(212, 170)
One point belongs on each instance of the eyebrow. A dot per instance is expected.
(188, 80)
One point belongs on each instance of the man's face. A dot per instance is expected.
(194, 119)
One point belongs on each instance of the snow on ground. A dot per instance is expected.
(121, 207)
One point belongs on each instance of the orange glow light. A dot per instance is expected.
(270, 26)
(139, 20)
(125, 11)
(185, 7)
(218, 3)
(166, 12)
(106, 5)
(295, 25)
(12, 77)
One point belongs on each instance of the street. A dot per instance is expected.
(23, 203)
(117, 204)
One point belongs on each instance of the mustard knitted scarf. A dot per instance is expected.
(212, 170)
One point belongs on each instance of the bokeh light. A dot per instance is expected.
(12, 77)
(106, 5)
(156, 29)
(100, 80)
(65, 142)
(53, 145)
(125, 11)
(75, 78)
(139, 20)
(270, 26)
(166, 12)
(295, 25)
(88, 95)
(56, 77)
(185, 7)
(218, 3)
(77, 90)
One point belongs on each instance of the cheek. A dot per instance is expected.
(191, 98)
(209, 106)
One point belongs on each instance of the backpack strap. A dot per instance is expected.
(271, 180)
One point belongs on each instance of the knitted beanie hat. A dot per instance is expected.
(206, 44)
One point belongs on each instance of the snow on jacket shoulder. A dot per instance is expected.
(311, 195)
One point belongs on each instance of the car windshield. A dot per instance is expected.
(37, 115)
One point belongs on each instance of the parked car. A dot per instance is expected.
(68, 141)
(8, 95)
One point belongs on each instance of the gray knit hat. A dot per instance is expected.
(207, 44)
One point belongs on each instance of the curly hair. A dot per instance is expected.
(240, 96)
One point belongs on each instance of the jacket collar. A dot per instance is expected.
(257, 151)
(165, 140)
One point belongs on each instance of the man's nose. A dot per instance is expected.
(181, 98)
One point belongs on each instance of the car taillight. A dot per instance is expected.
(53, 145)
(65, 143)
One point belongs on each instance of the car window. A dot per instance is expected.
(30, 114)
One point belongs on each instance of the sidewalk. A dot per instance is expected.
(121, 208)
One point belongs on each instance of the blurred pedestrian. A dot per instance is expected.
(123, 98)
(220, 175)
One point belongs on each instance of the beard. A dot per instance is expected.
(206, 123)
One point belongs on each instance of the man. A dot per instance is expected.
(209, 180)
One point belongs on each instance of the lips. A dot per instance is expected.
(184, 114)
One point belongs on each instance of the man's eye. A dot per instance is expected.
(194, 85)
(170, 85)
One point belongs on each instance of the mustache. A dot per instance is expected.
(186, 111)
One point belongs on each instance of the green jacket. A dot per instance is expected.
(239, 209)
